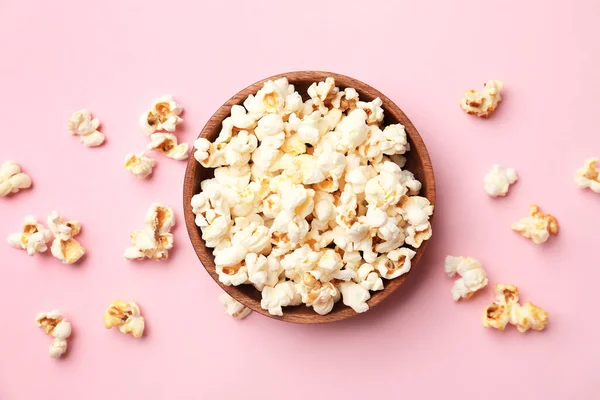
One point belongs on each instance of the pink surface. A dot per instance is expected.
(114, 58)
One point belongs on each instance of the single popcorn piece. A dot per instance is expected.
(587, 177)
(498, 180)
(65, 247)
(484, 103)
(355, 296)
(166, 143)
(63, 230)
(156, 239)
(126, 316)
(12, 179)
(139, 164)
(82, 124)
(538, 226)
(233, 307)
(34, 237)
(162, 116)
(54, 324)
(506, 309)
(472, 276)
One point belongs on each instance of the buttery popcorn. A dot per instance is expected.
(162, 116)
(587, 177)
(65, 247)
(125, 315)
(472, 276)
(233, 307)
(166, 143)
(156, 239)
(538, 226)
(498, 180)
(34, 237)
(139, 164)
(506, 309)
(82, 124)
(483, 103)
(309, 202)
(12, 179)
(56, 325)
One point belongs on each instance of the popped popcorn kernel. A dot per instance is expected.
(538, 226)
(82, 124)
(506, 309)
(166, 143)
(126, 316)
(586, 177)
(498, 180)
(472, 276)
(63, 230)
(68, 251)
(56, 325)
(12, 179)
(484, 103)
(156, 239)
(34, 237)
(162, 116)
(233, 307)
(139, 164)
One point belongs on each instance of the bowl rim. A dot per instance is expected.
(342, 81)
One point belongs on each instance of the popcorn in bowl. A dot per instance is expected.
(309, 202)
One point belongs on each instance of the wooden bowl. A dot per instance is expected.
(418, 162)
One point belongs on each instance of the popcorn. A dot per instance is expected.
(485, 103)
(139, 165)
(65, 247)
(498, 180)
(63, 230)
(126, 316)
(472, 276)
(587, 177)
(155, 240)
(56, 325)
(538, 226)
(12, 179)
(82, 124)
(166, 143)
(309, 199)
(233, 307)
(34, 237)
(506, 309)
(162, 116)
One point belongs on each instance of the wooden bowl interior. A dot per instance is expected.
(417, 162)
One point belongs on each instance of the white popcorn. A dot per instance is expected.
(415, 210)
(384, 190)
(373, 110)
(355, 296)
(12, 179)
(507, 309)
(395, 263)
(368, 278)
(63, 230)
(233, 307)
(353, 129)
(65, 247)
(155, 240)
(34, 237)
(498, 180)
(162, 116)
(472, 276)
(345, 100)
(125, 315)
(281, 295)
(537, 226)
(485, 103)
(323, 92)
(416, 235)
(139, 164)
(586, 177)
(166, 143)
(82, 124)
(57, 326)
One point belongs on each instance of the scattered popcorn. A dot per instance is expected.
(233, 307)
(309, 202)
(498, 180)
(34, 237)
(483, 104)
(538, 226)
(63, 230)
(139, 164)
(12, 179)
(126, 316)
(65, 247)
(57, 326)
(166, 143)
(472, 276)
(587, 177)
(156, 239)
(163, 116)
(506, 309)
(82, 124)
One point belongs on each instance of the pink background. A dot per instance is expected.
(114, 58)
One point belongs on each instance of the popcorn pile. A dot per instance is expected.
(82, 124)
(309, 202)
(156, 239)
(507, 309)
(12, 179)
(34, 238)
(57, 326)
(126, 316)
